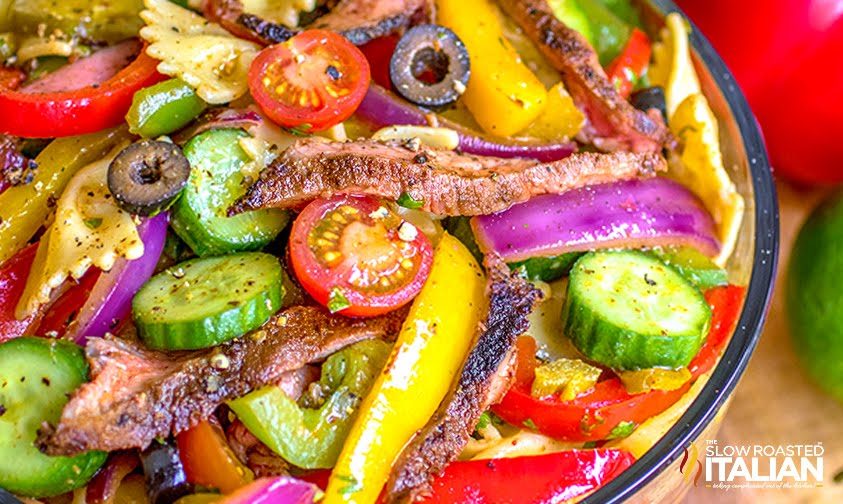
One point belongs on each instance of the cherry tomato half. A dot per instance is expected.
(310, 82)
(356, 256)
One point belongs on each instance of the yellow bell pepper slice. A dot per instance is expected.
(672, 67)
(700, 168)
(430, 349)
(560, 120)
(503, 94)
(24, 208)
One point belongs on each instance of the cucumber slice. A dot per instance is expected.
(204, 302)
(628, 310)
(547, 269)
(216, 182)
(36, 377)
(694, 266)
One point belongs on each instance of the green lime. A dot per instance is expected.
(815, 295)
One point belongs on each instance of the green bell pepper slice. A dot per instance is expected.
(311, 436)
(163, 108)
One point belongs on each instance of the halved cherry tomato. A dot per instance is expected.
(209, 461)
(310, 82)
(630, 64)
(593, 416)
(348, 253)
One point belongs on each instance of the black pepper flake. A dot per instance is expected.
(420, 158)
(332, 72)
(45, 381)
(649, 280)
(2, 410)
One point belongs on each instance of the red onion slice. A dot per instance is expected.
(280, 490)
(111, 298)
(219, 118)
(91, 70)
(630, 214)
(382, 108)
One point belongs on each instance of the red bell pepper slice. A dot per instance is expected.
(11, 78)
(67, 306)
(13, 274)
(726, 303)
(552, 477)
(85, 110)
(594, 415)
(379, 53)
(630, 64)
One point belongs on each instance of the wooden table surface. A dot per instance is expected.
(775, 403)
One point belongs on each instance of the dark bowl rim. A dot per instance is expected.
(737, 354)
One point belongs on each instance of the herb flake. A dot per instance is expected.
(93, 223)
(407, 201)
(337, 301)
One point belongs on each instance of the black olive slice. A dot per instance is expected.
(651, 97)
(147, 177)
(430, 66)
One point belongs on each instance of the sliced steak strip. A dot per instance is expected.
(613, 123)
(137, 395)
(448, 183)
(360, 21)
(485, 377)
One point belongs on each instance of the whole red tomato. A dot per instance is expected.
(785, 54)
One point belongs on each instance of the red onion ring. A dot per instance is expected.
(630, 214)
(279, 490)
(103, 487)
(111, 298)
(382, 108)
(91, 70)
(219, 118)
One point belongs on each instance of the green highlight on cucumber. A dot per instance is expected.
(200, 216)
(694, 266)
(627, 310)
(205, 302)
(547, 269)
(37, 375)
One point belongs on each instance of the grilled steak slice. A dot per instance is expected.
(137, 395)
(613, 123)
(448, 183)
(360, 21)
(485, 377)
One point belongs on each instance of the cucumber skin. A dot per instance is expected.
(213, 329)
(623, 349)
(246, 232)
(704, 274)
(56, 475)
(547, 269)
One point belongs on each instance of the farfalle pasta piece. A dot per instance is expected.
(200, 52)
(89, 229)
